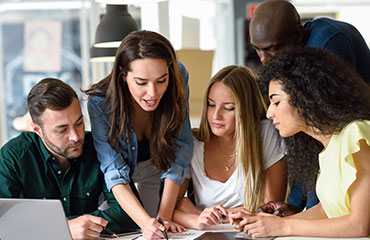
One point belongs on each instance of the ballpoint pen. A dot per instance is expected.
(164, 232)
(223, 216)
(134, 233)
(111, 232)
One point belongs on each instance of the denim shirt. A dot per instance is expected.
(119, 166)
(342, 39)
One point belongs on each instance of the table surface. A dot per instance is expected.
(231, 236)
(225, 232)
(229, 229)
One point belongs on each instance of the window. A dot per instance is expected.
(38, 40)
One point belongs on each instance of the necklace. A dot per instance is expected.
(228, 166)
(225, 154)
(230, 156)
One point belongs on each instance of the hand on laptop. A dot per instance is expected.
(87, 226)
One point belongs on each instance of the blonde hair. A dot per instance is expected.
(249, 110)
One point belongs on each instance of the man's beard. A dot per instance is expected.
(64, 152)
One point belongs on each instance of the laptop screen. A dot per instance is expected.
(32, 219)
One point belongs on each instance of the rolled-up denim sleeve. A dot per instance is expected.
(184, 151)
(113, 165)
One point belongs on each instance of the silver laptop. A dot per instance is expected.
(33, 219)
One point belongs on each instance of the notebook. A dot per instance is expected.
(33, 219)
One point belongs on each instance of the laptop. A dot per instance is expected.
(33, 219)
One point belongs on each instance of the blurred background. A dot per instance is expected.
(58, 38)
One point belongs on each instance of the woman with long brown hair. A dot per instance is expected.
(141, 129)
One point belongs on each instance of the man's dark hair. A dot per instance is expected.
(49, 93)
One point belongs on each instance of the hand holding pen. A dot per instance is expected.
(153, 229)
(212, 216)
(164, 231)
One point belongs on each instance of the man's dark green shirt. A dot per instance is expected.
(28, 170)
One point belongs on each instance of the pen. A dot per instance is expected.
(277, 213)
(164, 232)
(223, 216)
(259, 210)
(111, 232)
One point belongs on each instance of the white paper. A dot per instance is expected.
(189, 234)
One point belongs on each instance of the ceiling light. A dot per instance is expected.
(120, 2)
(116, 24)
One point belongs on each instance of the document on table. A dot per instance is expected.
(189, 234)
(225, 227)
(228, 228)
(127, 236)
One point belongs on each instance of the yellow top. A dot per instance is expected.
(338, 170)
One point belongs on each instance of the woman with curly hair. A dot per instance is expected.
(315, 94)
(238, 155)
(141, 128)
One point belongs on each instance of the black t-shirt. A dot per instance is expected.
(143, 150)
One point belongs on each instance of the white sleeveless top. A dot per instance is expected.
(209, 192)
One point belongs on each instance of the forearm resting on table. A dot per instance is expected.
(344, 226)
(130, 204)
(188, 220)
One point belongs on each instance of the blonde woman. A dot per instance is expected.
(237, 157)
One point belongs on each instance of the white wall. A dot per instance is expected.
(355, 12)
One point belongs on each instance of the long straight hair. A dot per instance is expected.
(167, 118)
(249, 110)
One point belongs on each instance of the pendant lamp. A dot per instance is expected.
(140, 2)
(116, 24)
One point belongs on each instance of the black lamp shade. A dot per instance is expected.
(116, 24)
(102, 54)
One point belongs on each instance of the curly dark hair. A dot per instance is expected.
(328, 95)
